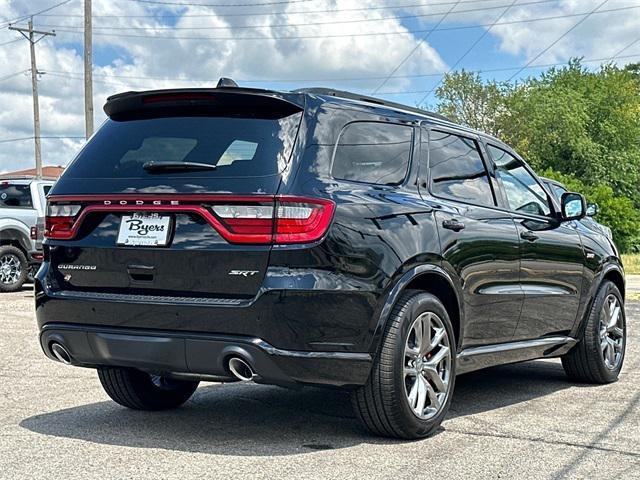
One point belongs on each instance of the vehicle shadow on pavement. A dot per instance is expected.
(258, 420)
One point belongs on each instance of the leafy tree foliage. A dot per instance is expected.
(577, 123)
(466, 99)
(615, 211)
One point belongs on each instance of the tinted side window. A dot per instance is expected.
(558, 191)
(373, 153)
(457, 169)
(15, 195)
(524, 193)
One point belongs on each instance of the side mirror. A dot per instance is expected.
(574, 206)
(592, 209)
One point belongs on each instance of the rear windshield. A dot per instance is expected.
(238, 147)
(12, 195)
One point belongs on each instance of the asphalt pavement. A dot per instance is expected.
(517, 421)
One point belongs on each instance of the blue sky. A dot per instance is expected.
(157, 51)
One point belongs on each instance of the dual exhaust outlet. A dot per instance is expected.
(61, 353)
(241, 369)
(238, 367)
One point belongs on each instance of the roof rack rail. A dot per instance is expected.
(365, 98)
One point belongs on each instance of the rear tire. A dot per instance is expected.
(13, 268)
(138, 390)
(409, 390)
(599, 355)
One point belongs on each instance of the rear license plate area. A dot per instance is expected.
(144, 230)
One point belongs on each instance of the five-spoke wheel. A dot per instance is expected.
(427, 365)
(409, 390)
(611, 332)
(599, 354)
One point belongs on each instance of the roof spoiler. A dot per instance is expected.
(227, 97)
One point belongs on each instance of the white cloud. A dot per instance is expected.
(145, 61)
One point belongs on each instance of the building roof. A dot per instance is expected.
(47, 172)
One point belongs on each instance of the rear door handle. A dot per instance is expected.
(529, 235)
(452, 224)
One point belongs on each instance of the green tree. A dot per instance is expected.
(466, 99)
(578, 123)
(617, 212)
(582, 123)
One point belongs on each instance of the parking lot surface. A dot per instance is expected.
(517, 421)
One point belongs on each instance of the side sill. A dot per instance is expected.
(476, 358)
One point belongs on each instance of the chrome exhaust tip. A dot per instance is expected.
(61, 353)
(241, 369)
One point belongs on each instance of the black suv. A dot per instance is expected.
(315, 237)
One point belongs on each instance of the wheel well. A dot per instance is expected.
(437, 285)
(616, 277)
(14, 243)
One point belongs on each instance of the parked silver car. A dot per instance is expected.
(22, 204)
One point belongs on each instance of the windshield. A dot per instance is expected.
(238, 147)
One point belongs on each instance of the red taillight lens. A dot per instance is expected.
(302, 220)
(295, 220)
(34, 233)
(60, 220)
(246, 223)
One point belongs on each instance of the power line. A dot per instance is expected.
(7, 77)
(547, 65)
(578, 23)
(24, 17)
(188, 4)
(303, 12)
(9, 43)
(59, 137)
(78, 75)
(464, 55)
(283, 25)
(366, 34)
(625, 48)
(418, 45)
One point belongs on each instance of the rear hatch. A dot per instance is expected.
(175, 195)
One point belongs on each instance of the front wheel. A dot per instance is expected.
(138, 390)
(409, 390)
(599, 355)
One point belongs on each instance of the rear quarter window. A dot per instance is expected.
(373, 152)
(12, 196)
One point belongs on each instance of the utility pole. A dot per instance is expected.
(88, 73)
(34, 85)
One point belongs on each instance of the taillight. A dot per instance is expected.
(34, 233)
(294, 220)
(256, 219)
(246, 223)
(302, 220)
(60, 220)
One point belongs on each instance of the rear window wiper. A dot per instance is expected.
(176, 166)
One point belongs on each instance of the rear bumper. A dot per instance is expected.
(202, 356)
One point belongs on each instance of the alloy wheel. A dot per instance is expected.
(611, 332)
(10, 269)
(427, 365)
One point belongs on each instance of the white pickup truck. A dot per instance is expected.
(22, 208)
